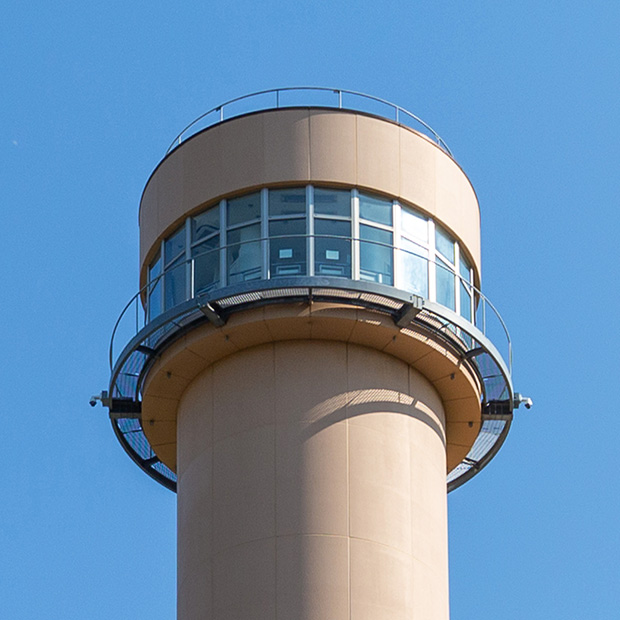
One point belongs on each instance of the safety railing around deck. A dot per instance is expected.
(307, 96)
(478, 341)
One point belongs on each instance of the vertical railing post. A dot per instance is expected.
(339, 99)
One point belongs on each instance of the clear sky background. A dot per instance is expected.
(527, 95)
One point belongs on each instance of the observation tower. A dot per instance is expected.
(310, 363)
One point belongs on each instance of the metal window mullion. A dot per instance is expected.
(223, 243)
(189, 264)
(264, 232)
(432, 258)
(355, 225)
(310, 228)
(396, 252)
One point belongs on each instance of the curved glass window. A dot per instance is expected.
(315, 231)
(287, 248)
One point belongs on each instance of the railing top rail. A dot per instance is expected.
(192, 128)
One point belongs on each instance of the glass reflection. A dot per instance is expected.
(375, 255)
(287, 247)
(332, 255)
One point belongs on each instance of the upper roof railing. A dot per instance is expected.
(295, 96)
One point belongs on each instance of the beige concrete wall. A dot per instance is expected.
(308, 145)
(311, 486)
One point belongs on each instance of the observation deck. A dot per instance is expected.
(309, 240)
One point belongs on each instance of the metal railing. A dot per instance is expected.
(305, 96)
(145, 339)
(135, 314)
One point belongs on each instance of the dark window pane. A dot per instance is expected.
(287, 247)
(287, 201)
(376, 209)
(174, 284)
(376, 255)
(332, 202)
(244, 254)
(332, 255)
(206, 223)
(154, 289)
(243, 209)
(206, 265)
(174, 245)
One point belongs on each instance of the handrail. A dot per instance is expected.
(480, 300)
(398, 111)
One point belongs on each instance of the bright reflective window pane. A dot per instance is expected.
(205, 224)
(376, 255)
(287, 201)
(174, 284)
(464, 269)
(332, 202)
(244, 254)
(465, 302)
(154, 290)
(376, 209)
(206, 265)
(413, 224)
(444, 244)
(287, 247)
(332, 255)
(243, 209)
(414, 268)
(174, 245)
(445, 285)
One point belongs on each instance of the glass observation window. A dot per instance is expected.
(332, 202)
(244, 254)
(375, 209)
(344, 238)
(466, 300)
(175, 272)
(206, 264)
(332, 248)
(287, 202)
(414, 267)
(376, 255)
(287, 247)
(243, 209)
(174, 246)
(444, 244)
(206, 224)
(154, 288)
(413, 225)
(445, 284)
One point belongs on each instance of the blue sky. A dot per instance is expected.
(527, 96)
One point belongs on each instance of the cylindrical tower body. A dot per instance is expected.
(309, 372)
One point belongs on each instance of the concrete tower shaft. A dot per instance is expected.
(311, 366)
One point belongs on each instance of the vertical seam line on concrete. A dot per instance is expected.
(212, 571)
(275, 478)
(309, 146)
(346, 419)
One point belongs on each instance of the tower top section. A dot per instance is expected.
(311, 214)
